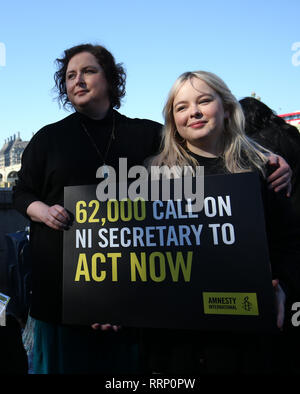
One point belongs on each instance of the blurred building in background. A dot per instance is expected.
(10, 159)
(292, 118)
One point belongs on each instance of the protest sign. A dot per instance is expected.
(159, 264)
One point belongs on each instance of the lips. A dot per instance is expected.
(80, 92)
(198, 124)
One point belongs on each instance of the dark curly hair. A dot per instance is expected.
(258, 115)
(114, 73)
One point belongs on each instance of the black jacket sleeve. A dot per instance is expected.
(283, 233)
(29, 185)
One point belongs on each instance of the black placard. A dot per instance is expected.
(153, 264)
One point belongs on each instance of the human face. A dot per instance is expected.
(199, 117)
(87, 88)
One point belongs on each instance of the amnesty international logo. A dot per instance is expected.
(246, 304)
(219, 303)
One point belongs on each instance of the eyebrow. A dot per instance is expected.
(85, 67)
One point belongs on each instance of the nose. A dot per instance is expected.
(196, 112)
(79, 80)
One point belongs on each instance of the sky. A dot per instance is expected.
(253, 45)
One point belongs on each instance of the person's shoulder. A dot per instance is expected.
(139, 122)
(68, 120)
(54, 128)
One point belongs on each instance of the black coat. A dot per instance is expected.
(61, 154)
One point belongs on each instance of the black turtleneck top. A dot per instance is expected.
(61, 154)
(212, 165)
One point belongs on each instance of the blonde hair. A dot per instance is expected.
(239, 152)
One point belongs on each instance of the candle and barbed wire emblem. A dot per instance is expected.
(246, 304)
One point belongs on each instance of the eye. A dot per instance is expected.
(90, 71)
(180, 108)
(205, 101)
(70, 76)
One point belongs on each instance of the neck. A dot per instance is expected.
(204, 150)
(96, 114)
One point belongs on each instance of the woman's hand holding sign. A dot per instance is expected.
(54, 216)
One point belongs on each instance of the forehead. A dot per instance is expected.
(193, 87)
(82, 59)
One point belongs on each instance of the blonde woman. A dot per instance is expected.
(203, 118)
(204, 125)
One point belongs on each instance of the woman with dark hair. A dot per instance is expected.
(114, 73)
(66, 153)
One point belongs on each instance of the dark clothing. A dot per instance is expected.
(61, 154)
(200, 352)
(212, 165)
(64, 154)
(282, 228)
(61, 349)
(13, 358)
(283, 139)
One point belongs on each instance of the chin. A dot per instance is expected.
(82, 105)
(199, 137)
(83, 101)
